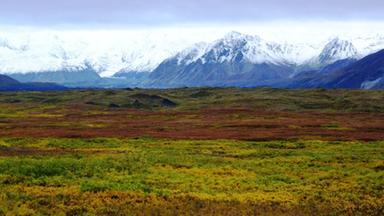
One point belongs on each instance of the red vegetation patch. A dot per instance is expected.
(17, 152)
(236, 123)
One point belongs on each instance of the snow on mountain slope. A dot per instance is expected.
(257, 50)
(369, 44)
(111, 52)
(236, 59)
(337, 49)
(107, 54)
(191, 54)
(253, 48)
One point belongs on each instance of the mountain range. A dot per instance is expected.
(235, 60)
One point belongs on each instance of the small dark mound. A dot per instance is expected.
(200, 93)
(168, 103)
(144, 96)
(113, 105)
(137, 104)
(145, 100)
(92, 103)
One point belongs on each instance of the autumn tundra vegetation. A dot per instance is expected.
(192, 151)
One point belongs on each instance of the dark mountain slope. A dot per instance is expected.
(9, 84)
(366, 73)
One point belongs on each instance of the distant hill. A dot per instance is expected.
(7, 81)
(9, 84)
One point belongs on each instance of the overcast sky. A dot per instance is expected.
(181, 12)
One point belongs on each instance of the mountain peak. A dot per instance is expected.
(233, 34)
(337, 49)
(337, 41)
(236, 36)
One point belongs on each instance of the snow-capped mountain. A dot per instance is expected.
(253, 48)
(335, 50)
(257, 50)
(234, 59)
(108, 55)
(235, 46)
(245, 60)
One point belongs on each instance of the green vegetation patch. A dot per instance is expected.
(341, 176)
